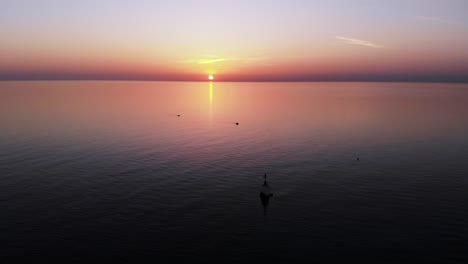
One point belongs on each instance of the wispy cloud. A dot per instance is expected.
(203, 61)
(437, 20)
(209, 59)
(360, 42)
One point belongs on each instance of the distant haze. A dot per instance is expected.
(289, 40)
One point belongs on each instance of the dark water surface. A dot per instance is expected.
(109, 169)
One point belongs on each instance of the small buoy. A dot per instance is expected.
(237, 123)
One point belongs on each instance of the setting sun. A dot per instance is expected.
(210, 77)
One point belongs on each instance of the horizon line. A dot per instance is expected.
(233, 81)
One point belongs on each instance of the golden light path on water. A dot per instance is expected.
(211, 101)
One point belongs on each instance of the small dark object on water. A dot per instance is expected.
(357, 158)
(237, 123)
(178, 115)
(265, 194)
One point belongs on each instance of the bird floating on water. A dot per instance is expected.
(237, 123)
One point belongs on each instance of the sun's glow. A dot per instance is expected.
(210, 77)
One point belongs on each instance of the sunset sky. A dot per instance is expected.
(241, 40)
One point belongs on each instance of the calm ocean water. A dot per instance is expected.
(108, 169)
